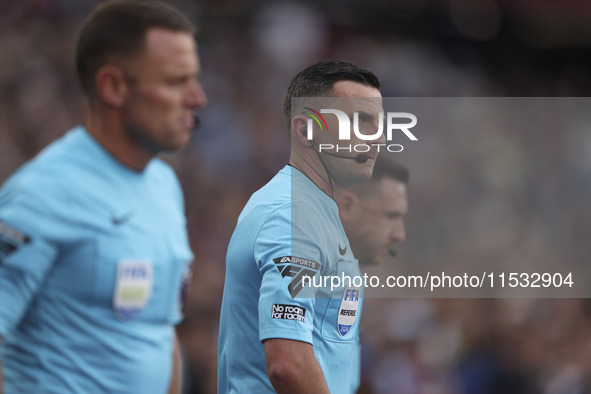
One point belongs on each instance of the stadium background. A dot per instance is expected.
(536, 195)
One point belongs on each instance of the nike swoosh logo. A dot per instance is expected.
(117, 221)
(342, 251)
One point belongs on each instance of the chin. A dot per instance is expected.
(357, 176)
(367, 172)
(178, 142)
(370, 262)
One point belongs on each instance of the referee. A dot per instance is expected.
(94, 254)
(275, 335)
(373, 212)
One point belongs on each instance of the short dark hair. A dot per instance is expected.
(118, 28)
(386, 165)
(318, 80)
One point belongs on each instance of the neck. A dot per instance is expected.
(107, 128)
(313, 168)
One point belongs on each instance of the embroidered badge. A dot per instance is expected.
(133, 288)
(348, 310)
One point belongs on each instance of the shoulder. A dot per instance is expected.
(163, 181)
(57, 166)
(161, 171)
(35, 181)
(62, 178)
(286, 200)
(35, 203)
(275, 196)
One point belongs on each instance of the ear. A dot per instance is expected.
(346, 206)
(299, 130)
(111, 86)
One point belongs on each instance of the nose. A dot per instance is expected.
(381, 139)
(196, 97)
(398, 232)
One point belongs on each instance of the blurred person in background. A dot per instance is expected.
(291, 225)
(373, 212)
(94, 254)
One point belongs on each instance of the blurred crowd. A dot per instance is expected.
(508, 198)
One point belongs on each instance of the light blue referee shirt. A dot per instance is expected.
(288, 229)
(94, 258)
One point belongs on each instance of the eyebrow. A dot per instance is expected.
(366, 115)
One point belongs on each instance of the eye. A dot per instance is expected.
(178, 81)
(367, 119)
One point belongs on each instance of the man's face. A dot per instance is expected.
(373, 219)
(366, 101)
(164, 92)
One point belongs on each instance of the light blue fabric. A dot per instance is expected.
(70, 221)
(288, 224)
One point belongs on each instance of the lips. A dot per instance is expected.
(371, 156)
(187, 122)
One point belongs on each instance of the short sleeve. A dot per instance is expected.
(286, 255)
(26, 254)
